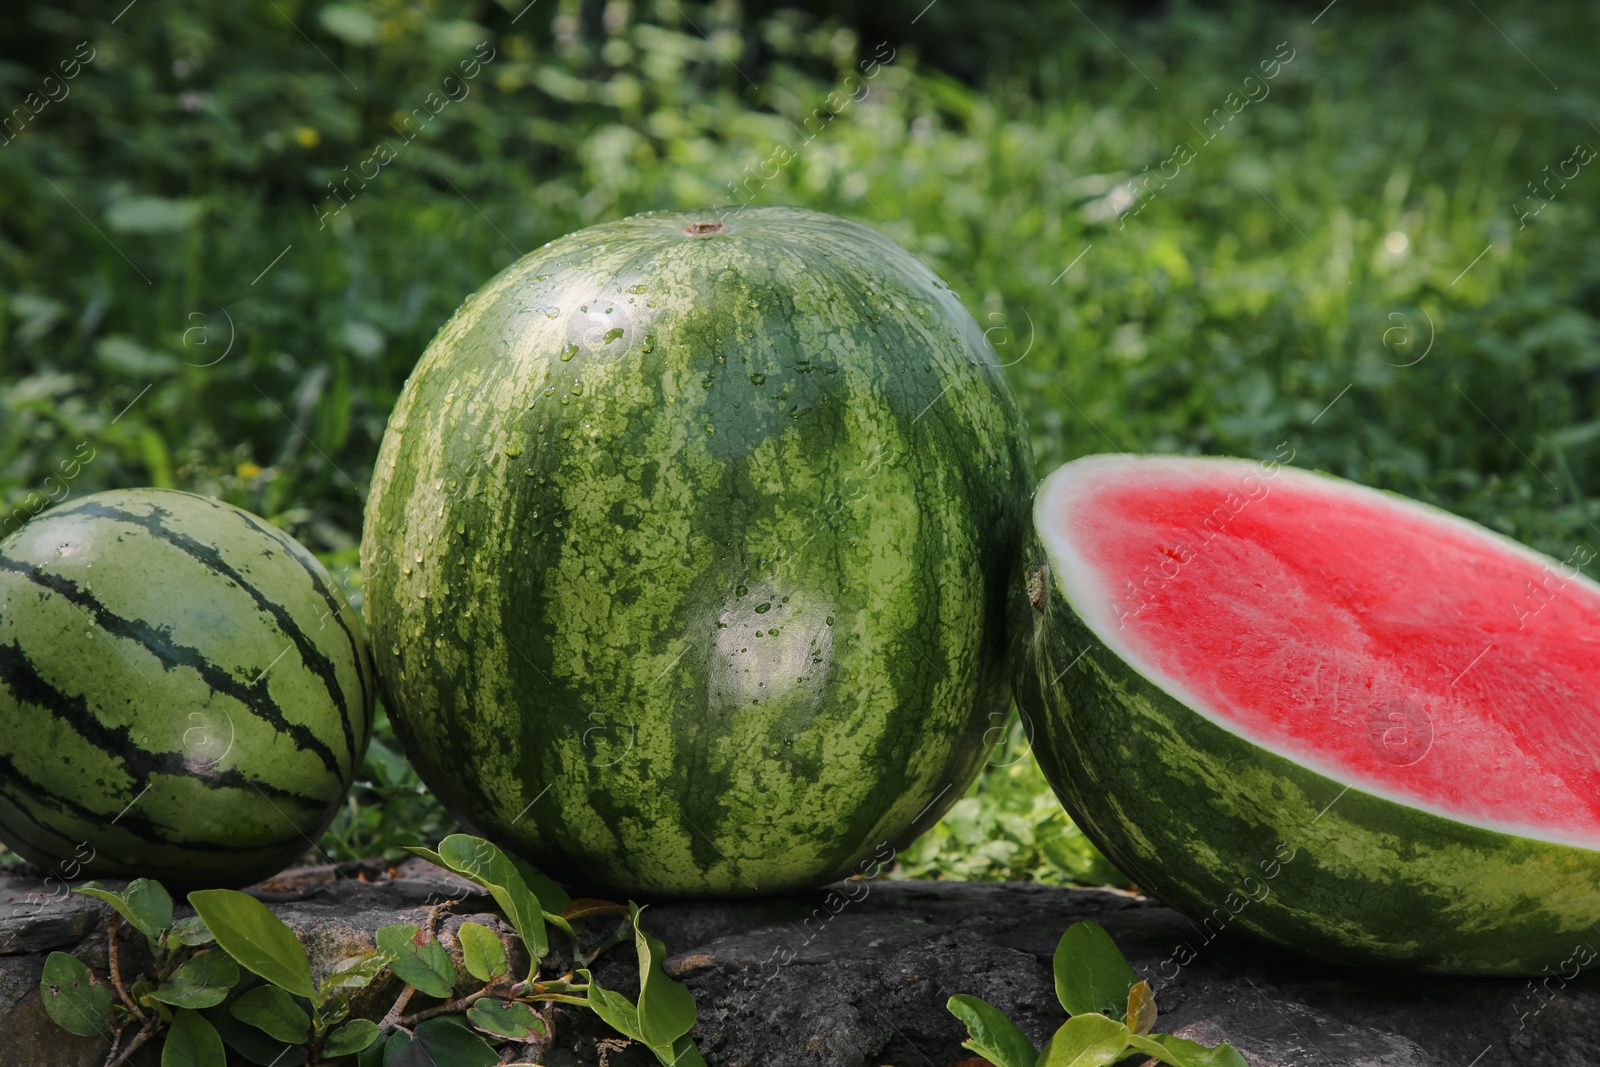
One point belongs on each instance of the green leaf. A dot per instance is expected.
(149, 906)
(993, 1036)
(553, 900)
(1141, 1015)
(251, 1045)
(418, 961)
(351, 24)
(78, 1001)
(505, 1018)
(152, 214)
(145, 904)
(551, 896)
(258, 939)
(1181, 1052)
(615, 1009)
(428, 854)
(190, 931)
(192, 1042)
(373, 1055)
(332, 1012)
(1087, 1040)
(110, 896)
(666, 1008)
(273, 1012)
(351, 1038)
(482, 951)
(479, 861)
(202, 982)
(124, 355)
(684, 1053)
(1091, 973)
(562, 923)
(441, 1042)
(355, 972)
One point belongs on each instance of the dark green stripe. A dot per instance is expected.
(19, 675)
(336, 606)
(35, 794)
(158, 641)
(310, 655)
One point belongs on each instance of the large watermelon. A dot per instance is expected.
(687, 549)
(1335, 718)
(184, 694)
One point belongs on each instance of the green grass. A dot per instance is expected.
(168, 208)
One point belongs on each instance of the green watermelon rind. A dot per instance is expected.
(696, 426)
(201, 729)
(1243, 839)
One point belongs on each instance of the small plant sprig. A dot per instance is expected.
(1110, 1010)
(504, 1006)
(183, 977)
(273, 1011)
(288, 1007)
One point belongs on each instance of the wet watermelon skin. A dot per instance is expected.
(1331, 717)
(687, 553)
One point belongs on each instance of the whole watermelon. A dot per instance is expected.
(184, 693)
(686, 553)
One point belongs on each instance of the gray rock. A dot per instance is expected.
(857, 976)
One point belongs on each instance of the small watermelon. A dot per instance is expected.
(1332, 717)
(687, 551)
(184, 693)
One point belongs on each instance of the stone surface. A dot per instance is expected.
(857, 976)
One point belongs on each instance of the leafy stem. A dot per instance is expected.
(146, 1032)
(200, 963)
(1110, 1013)
(458, 1004)
(391, 1019)
(236, 957)
(114, 927)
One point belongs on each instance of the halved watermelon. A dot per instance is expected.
(1336, 718)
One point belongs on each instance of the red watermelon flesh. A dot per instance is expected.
(1378, 641)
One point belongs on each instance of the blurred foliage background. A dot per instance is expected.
(227, 230)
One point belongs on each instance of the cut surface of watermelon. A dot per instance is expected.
(1381, 642)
